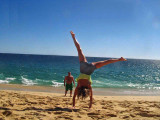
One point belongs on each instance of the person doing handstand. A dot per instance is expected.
(84, 81)
(68, 83)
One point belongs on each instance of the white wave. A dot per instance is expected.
(41, 80)
(7, 80)
(157, 78)
(133, 85)
(113, 84)
(37, 79)
(57, 84)
(27, 81)
(154, 88)
(97, 81)
(4, 81)
(10, 78)
(139, 86)
(144, 86)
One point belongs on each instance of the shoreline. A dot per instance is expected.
(96, 91)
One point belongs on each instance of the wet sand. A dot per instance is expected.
(31, 105)
(96, 91)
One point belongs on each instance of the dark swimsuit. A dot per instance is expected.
(87, 68)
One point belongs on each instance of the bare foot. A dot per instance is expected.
(122, 59)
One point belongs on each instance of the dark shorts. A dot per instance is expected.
(69, 86)
(87, 68)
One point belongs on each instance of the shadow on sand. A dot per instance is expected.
(40, 109)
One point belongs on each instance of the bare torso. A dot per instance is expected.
(69, 79)
(84, 82)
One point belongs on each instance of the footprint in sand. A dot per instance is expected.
(125, 117)
(91, 114)
(95, 115)
(111, 115)
(23, 118)
(42, 103)
(64, 117)
(58, 113)
(1, 118)
(35, 113)
(7, 113)
(145, 114)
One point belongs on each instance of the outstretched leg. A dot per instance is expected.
(82, 58)
(106, 62)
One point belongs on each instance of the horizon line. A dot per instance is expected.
(71, 55)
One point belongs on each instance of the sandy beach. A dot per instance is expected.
(32, 105)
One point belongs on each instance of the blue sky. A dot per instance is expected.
(104, 28)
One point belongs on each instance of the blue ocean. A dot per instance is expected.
(50, 70)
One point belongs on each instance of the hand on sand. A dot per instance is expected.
(89, 109)
(72, 108)
(122, 59)
(72, 34)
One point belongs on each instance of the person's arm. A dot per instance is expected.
(74, 96)
(73, 81)
(65, 81)
(91, 98)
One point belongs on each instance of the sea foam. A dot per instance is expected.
(4, 81)
(7, 80)
(10, 78)
(26, 81)
(56, 84)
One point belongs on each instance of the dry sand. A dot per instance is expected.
(22, 105)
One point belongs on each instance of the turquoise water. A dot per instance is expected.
(46, 70)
